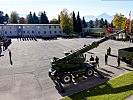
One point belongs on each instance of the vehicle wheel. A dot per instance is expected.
(89, 72)
(66, 78)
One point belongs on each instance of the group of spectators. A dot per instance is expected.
(106, 58)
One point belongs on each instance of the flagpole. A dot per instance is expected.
(130, 23)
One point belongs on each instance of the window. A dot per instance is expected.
(49, 26)
(10, 32)
(23, 31)
(44, 32)
(5, 32)
(50, 32)
(27, 31)
(54, 26)
(60, 31)
(32, 31)
(10, 27)
(55, 31)
(38, 32)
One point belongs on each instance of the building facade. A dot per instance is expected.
(37, 30)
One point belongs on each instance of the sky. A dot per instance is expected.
(54, 7)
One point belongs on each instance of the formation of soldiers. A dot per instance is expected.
(27, 38)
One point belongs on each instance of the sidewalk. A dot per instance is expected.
(130, 97)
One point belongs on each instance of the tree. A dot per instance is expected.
(1, 17)
(79, 23)
(119, 21)
(84, 24)
(44, 18)
(96, 23)
(35, 19)
(22, 20)
(101, 23)
(66, 21)
(6, 18)
(30, 19)
(91, 25)
(59, 18)
(106, 23)
(54, 21)
(14, 17)
(74, 23)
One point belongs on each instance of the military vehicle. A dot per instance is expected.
(126, 55)
(74, 64)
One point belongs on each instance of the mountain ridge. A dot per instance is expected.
(103, 15)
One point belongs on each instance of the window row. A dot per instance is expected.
(19, 27)
(32, 32)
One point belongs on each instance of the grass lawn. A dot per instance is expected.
(115, 89)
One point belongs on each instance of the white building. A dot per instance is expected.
(38, 30)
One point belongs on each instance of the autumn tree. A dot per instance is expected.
(14, 17)
(22, 20)
(66, 21)
(54, 21)
(119, 21)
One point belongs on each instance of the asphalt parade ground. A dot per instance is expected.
(24, 75)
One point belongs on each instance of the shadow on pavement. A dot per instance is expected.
(82, 83)
(107, 71)
(115, 67)
(113, 55)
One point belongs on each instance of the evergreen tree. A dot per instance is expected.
(59, 18)
(46, 18)
(1, 17)
(74, 23)
(30, 19)
(43, 18)
(96, 23)
(84, 24)
(106, 23)
(79, 24)
(6, 18)
(91, 24)
(101, 23)
(35, 19)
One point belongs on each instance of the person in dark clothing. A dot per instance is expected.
(97, 61)
(118, 61)
(109, 51)
(92, 58)
(106, 59)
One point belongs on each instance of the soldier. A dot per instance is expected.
(106, 59)
(97, 61)
(92, 58)
(118, 61)
(109, 50)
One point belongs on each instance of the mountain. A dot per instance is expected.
(103, 15)
(89, 17)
